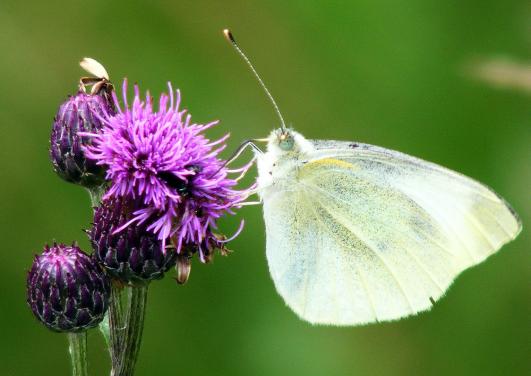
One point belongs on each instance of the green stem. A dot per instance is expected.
(117, 323)
(125, 317)
(131, 334)
(78, 353)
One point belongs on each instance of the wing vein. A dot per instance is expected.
(421, 265)
(415, 259)
(374, 252)
(428, 165)
(358, 270)
(449, 228)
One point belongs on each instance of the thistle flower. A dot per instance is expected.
(80, 113)
(132, 255)
(164, 161)
(67, 290)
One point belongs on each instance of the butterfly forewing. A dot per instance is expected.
(468, 210)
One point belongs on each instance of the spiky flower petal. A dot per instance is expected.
(163, 160)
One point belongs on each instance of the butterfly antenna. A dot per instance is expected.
(231, 39)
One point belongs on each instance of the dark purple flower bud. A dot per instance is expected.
(67, 290)
(80, 113)
(132, 254)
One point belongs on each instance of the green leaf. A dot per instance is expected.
(105, 331)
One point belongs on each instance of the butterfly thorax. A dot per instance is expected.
(287, 151)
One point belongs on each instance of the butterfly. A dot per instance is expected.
(357, 233)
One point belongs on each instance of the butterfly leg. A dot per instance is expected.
(244, 145)
(87, 81)
(250, 203)
(237, 153)
(251, 192)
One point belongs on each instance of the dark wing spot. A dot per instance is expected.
(353, 145)
(432, 301)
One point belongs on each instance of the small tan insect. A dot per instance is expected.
(100, 80)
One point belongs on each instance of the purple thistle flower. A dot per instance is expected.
(132, 255)
(67, 289)
(79, 113)
(163, 159)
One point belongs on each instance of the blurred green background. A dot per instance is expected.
(374, 71)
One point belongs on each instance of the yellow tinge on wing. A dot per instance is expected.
(324, 163)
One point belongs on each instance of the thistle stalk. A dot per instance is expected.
(78, 353)
(126, 325)
(117, 323)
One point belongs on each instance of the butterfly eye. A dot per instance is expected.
(286, 141)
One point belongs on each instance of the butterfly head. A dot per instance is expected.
(285, 141)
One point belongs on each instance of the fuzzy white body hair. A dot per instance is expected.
(277, 168)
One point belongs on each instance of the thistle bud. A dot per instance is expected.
(80, 113)
(67, 290)
(132, 254)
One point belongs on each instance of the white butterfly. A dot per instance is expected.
(357, 233)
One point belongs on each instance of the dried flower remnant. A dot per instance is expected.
(164, 161)
(67, 289)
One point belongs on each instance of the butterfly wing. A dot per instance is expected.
(94, 67)
(366, 234)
